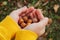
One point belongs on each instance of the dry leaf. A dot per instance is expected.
(4, 3)
(19, 4)
(56, 6)
(50, 39)
(45, 3)
(37, 3)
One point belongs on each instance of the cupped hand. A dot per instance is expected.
(38, 28)
(15, 14)
(20, 12)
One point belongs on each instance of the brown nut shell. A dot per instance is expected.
(23, 25)
(25, 18)
(29, 21)
(49, 21)
(21, 20)
(28, 24)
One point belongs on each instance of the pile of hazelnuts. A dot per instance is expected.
(25, 19)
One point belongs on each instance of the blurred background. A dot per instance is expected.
(50, 8)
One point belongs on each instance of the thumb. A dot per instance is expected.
(41, 26)
(43, 22)
(15, 14)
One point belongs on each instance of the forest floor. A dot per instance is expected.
(50, 8)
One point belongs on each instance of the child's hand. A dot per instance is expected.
(15, 14)
(38, 28)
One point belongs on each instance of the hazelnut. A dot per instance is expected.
(28, 24)
(25, 18)
(23, 24)
(29, 21)
(49, 21)
(21, 20)
(50, 38)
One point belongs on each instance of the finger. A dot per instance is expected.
(31, 16)
(34, 15)
(30, 10)
(23, 9)
(35, 19)
(42, 32)
(43, 23)
(39, 14)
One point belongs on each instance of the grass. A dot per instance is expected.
(53, 31)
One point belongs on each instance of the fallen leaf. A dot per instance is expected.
(56, 6)
(50, 38)
(4, 3)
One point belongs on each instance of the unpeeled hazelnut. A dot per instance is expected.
(29, 21)
(21, 20)
(23, 24)
(28, 24)
(25, 18)
(49, 21)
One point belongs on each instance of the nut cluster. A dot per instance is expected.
(26, 20)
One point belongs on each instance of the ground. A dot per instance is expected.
(50, 8)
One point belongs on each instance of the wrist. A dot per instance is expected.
(14, 17)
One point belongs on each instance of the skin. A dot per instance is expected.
(38, 28)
